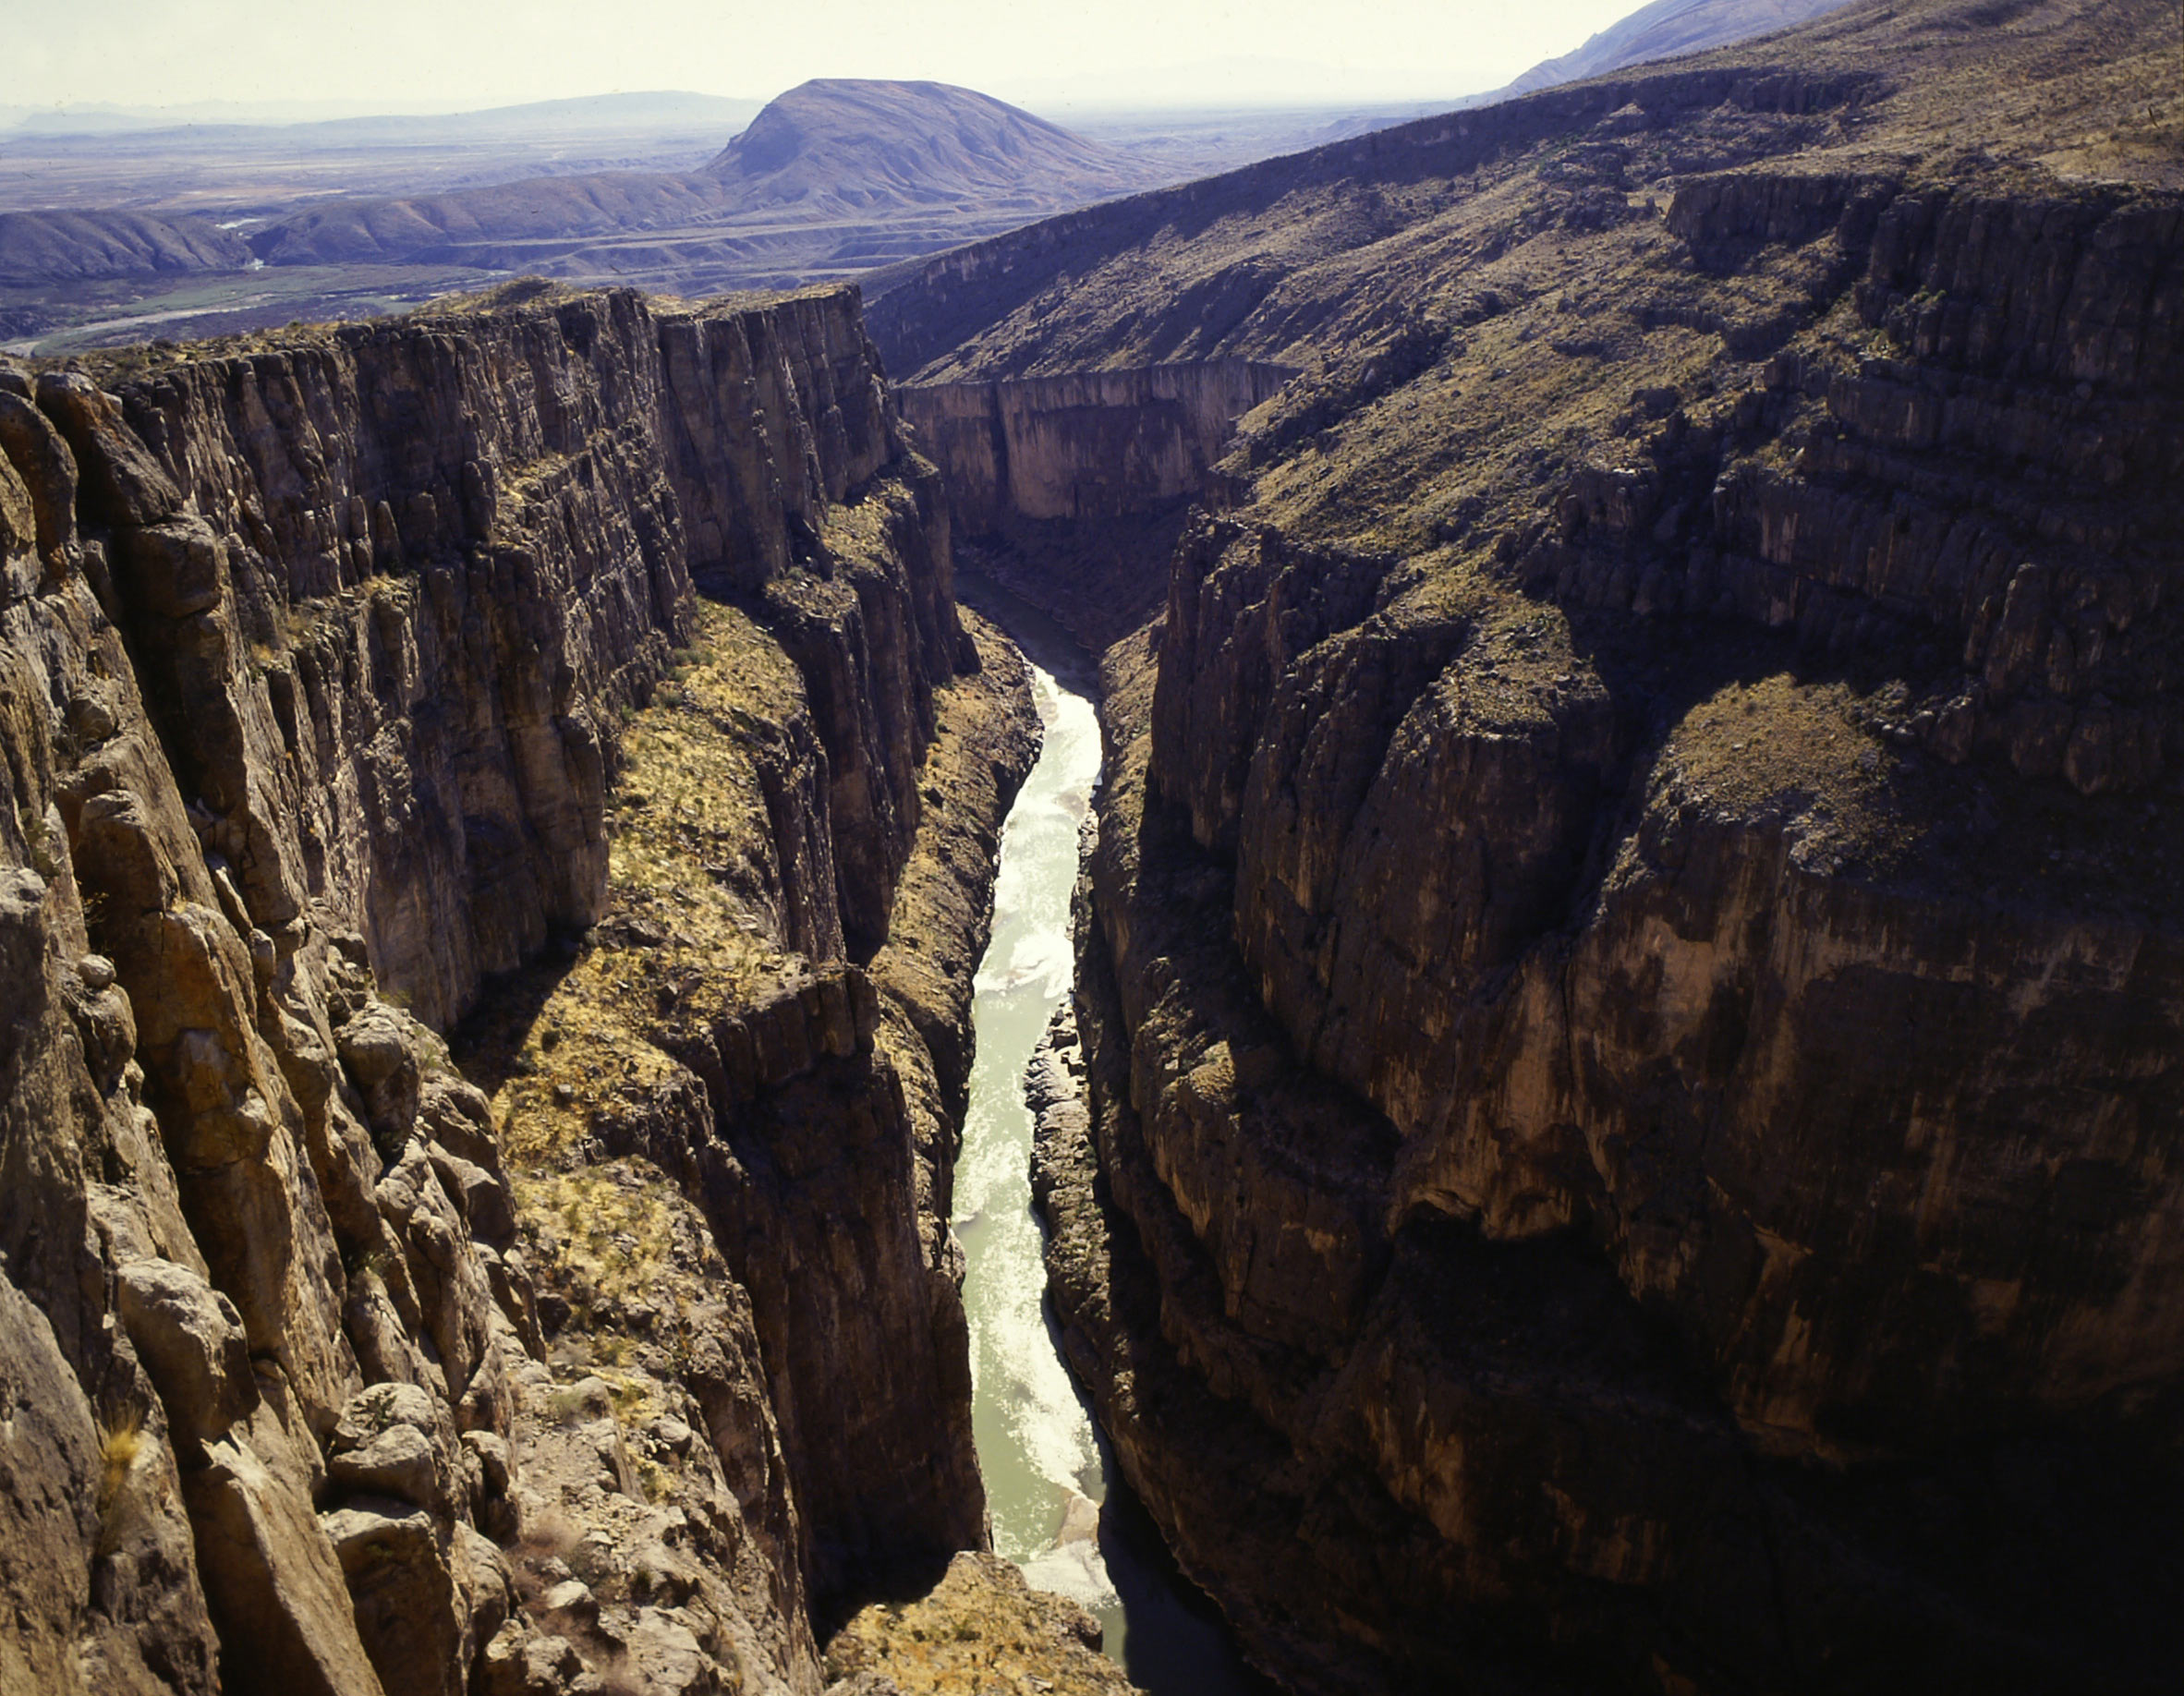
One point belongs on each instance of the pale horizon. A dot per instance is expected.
(418, 56)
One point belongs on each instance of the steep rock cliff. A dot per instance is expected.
(1089, 444)
(1630, 967)
(320, 649)
(1074, 489)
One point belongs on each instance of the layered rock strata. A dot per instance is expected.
(321, 652)
(1075, 488)
(1630, 969)
(1088, 444)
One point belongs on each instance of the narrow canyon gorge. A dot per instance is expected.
(582, 682)
(1629, 995)
(1591, 999)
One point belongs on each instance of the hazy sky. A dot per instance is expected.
(449, 54)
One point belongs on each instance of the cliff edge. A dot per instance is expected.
(325, 654)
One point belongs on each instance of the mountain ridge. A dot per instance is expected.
(1664, 31)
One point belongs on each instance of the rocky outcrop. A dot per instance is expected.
(319, 656)
(1988, 496)
(983, 1619)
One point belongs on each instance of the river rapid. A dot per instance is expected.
(1056, 1512)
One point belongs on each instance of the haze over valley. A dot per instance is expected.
(116, 223)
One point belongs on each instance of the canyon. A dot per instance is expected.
(1615, 1124)
(630, 1346)
(1620, 1127)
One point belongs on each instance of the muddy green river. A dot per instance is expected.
(1056, 1512)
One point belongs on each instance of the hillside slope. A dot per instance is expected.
(36, 246)
(1633, 969)
(1665, 29)
(552, 209)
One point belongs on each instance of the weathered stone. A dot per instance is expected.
(87, 1503)
(18, 517)
(664, 1656)
(124, 483)
(394, 1441)
(403, 1595)
(190, 1338)
(516, 1662)
(378, 1047)
(40, 458)
(273, 1580)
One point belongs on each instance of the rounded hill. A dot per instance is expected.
(851, 144)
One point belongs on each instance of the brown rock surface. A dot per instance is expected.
(1630, 970)
(1089, 444)
(317, 657)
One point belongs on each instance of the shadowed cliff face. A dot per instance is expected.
(327, 1372)
(1030, 465)
(1632, 968)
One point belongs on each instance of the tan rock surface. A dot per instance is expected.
(316, 656)
(981, 1627)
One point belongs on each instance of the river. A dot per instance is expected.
(1045, 1473)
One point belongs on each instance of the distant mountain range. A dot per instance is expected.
(327, 120)
(835, 173)
(1664, 30)
(834, 177)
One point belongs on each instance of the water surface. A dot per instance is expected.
(1056, 1513)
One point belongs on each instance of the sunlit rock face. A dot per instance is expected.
(320, 653)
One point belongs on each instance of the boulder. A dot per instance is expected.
(190, 1338)
(273, 1581)
(404, 1592)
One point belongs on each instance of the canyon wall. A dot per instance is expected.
(1008, 305)
(1086, 444)
(1073, 488)
(319, 652)
(1632, 965)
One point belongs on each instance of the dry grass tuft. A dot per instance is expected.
(119, 1445)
